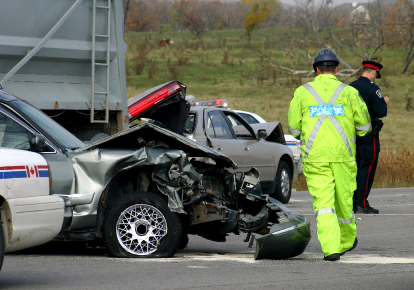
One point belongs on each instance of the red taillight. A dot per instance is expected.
(152, 99)
(218, 102)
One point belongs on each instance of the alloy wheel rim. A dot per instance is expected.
(140, 229)
(284, 182)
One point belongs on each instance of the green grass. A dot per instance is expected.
(237, 81)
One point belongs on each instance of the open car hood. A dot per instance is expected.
(274, 131)
(149, 134)
(165, 103)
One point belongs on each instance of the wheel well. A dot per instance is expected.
(5, 219)
(125, 183)
(289, 162)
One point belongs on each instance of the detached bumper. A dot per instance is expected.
(285, 240)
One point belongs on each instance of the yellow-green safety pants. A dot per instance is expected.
(332, 186)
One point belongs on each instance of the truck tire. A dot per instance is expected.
(142, 226)
(2, 245)
(283, 180)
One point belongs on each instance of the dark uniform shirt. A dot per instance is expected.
(377, 107)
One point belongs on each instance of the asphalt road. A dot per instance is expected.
(384, 259)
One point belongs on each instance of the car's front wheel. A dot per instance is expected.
(283, 181)
(142, 225)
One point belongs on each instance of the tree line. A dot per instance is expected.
(360, 30)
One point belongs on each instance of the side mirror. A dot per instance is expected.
(37, 142)
(261, 134)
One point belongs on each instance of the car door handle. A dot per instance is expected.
(246, 148)
(219, 148)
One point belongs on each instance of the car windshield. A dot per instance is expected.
(55, 131)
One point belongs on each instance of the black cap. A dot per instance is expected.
(373, 65)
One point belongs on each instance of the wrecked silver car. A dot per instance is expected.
(143, 190)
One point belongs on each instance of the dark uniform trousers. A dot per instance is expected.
(367, 160)
(368, 147)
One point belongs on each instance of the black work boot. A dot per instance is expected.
(353, 247)
(332, 257)
(365, 210)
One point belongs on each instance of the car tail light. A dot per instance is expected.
(153, 98)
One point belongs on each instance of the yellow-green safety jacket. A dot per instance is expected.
(326, 115)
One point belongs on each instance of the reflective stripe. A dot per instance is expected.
(302, 142)
(324, 211)
(353, 140)
(314, 94)
(341, 132)
(334, 121)
(342, 221)
(312, 135)
(363, 128)
(336, 94)
(293, 131)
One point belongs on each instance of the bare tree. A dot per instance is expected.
(200, 17)
(360, 35)
(399, 29)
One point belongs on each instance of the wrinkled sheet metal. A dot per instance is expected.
(95, 168)
(147, 130)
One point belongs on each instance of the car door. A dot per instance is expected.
(257, 152)
(15, 133)
(222, 136)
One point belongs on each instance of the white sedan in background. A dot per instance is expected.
(291, 142)
(29, 215)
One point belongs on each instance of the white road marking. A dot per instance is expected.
(369, 215)
(360, 259)
(249, 258)
(198, 267)
(234, 257)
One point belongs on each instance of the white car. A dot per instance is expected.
(291, 142)
(30, 216)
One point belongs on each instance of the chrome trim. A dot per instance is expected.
(77, 198)
(302, 224)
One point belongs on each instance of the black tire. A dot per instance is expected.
(283, 180)
(184, 241)
(2, 245)
(146, 209)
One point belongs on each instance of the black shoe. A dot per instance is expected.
(332, 257)
(353, 247)
(365, 210)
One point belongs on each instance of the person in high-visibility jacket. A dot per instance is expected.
(326, 115)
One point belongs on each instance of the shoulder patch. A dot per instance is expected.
(359, 95)
(378, 92)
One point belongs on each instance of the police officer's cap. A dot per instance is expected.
(374, 65)
(325, 57)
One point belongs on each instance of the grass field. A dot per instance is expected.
(223, 67)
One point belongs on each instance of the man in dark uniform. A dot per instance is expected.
(368, 147)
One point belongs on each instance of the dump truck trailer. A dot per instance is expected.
(66, 57)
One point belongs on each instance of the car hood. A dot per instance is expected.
(152, 135)
(165, 103)
(274, 131)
